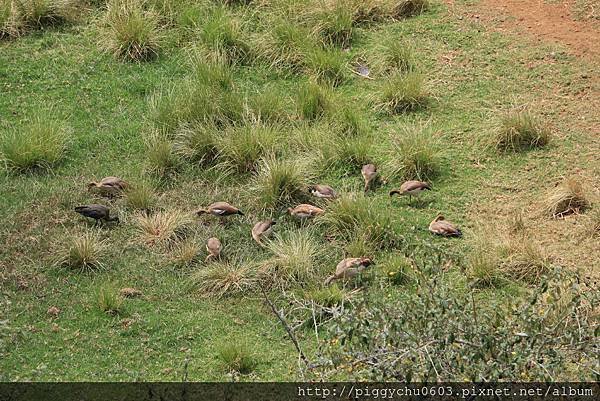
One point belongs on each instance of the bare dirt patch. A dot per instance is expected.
(545, 21)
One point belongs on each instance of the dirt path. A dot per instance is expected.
(550, 22)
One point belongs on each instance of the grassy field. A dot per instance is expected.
(251, 104)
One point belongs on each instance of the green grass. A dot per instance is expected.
(223, 114)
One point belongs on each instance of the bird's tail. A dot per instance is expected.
(458, 233)
(328, 280)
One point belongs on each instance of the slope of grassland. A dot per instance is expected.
(154, 124)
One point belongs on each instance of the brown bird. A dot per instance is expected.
(305, 211)
(53, 311)
(213, 247)
(262, 229)
(440, 226)
(323, 191)
(369, 173)
(129, 292)
(349, 268)
(108, 186)
(411, 188)
(220, 209)
(96, 212)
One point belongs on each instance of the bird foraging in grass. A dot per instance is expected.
(369, 173)
(262, 229)
(99, 213)
(213, 247)
(323, 191)
(411, 188)
(220, 209)
(440, 226)
(348, 268)
(108, 186)
(305, 211)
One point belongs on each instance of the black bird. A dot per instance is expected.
(96, 212)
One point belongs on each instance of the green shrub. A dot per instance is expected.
(40, 144)
(132, 32)
(396, 269)
(331, 295)
(520, 130)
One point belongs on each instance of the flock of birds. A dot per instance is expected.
(346, 269)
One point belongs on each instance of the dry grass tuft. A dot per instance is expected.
(20, 16)
(186, 254)
(520, 130)
(280, 182)
(141, 196)
(408, 8)
(163, 228)
(523, 260)
(567, 198)
(229, 278)
(83, 253)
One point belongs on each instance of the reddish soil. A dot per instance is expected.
(551, 22)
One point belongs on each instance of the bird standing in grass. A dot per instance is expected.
(220, 209)
(411, 188)
(213, 247)
(96, 212)
(262, 229)
(305, 211)
(369, 173)
(323, 191)
(348, 268)
(108, 186)
(440, 226)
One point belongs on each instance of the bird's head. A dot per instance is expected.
(439, 217)
(366, 262)
(200, 212)
(289, 210)
(92, 184)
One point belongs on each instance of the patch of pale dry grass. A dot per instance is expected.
(567, 198)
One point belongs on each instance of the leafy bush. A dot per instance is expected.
(39, 144)
(442, 333)
(132, 31)
(520, 130)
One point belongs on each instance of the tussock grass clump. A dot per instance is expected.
(284, 45)
(141, 196)
(350, 121)
(186, 253)
(109, 301)
(269, 106)
(332, 21)
(394, 56)
(20, 16)
(593, 222)
(242, 148)
(293, 261)
(279, 182)
(163, 228)
(160, 155)
(567, 198)
(483, 261)
(523, 260)
(223, 32)
(40, 144)
(403, 93)
(520, 130)
(326, 65)
(408, 8)
(352, 216)
(346, 153)
(132, 30)
(314, 101)
(237, 357)
(197, 142)
(212, 69)
(229, 278)
(83, 253)
(414, 154)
